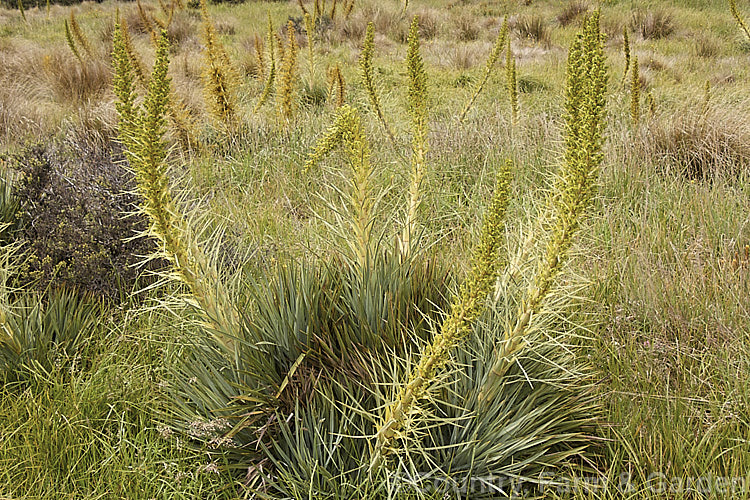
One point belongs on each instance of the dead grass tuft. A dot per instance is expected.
(533, 27)
(652, 24)
(699, 144)
(572, 12)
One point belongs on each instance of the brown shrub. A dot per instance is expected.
(73, 82)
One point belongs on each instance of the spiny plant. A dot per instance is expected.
(576, 185)
(45, 333)
(336, 85)
(706, 97)
(738, 17)
(135, 60)
(635, 93)
(418, 110)
(147, 22)
(310, 30)
(270, 82)
(71, 42)
(141, 131)
(500, 43)
(626, 51)
(219, 77)
(368, 77)
(260, 55)
(651, 103)
(465, 309)
(286, 94)
(511, 83)
(339, 387)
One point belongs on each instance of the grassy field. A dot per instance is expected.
(648, 321)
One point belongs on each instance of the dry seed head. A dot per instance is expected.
(71, 42)
(626, 50)
(79, 36)
(270, 82)
(219, 77)
(286, 95)
(511, 85)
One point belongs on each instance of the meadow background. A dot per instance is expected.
(656, 291)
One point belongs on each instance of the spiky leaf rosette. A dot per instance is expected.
(575, 187)
(317, 339)
(45, 332)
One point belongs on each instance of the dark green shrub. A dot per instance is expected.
(72, 219)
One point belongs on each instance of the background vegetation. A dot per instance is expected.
(653, 298)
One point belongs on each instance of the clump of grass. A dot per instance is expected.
(707, 145)
(533, 27)
(571, 12)
(652, 24)
(467, 28)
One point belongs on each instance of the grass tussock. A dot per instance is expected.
(533, 27)
(708, 143)
(652, 24)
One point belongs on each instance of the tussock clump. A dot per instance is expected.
(572, 12)
(71, 223)
(73, 81)
(466, 27)
(701, 146)
(533, 27)
(652, 24)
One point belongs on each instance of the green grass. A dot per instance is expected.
(663, 316)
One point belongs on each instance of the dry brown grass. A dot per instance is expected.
(571, 12)
(533, 27)
(466, 27)
(698, 142)
(652, 24)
